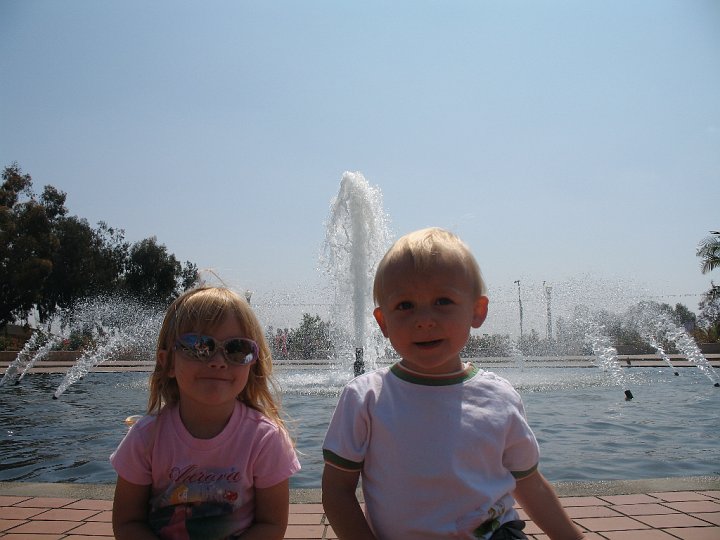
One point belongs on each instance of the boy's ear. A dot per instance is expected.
(480, 311)
(380, 318)
(163, 359)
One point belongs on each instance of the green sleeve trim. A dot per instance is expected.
(340, 462)
(524, 474)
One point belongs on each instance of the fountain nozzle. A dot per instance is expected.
(628, 395)
(359, 365)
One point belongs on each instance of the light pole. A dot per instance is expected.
(548, 290)
(520, 306)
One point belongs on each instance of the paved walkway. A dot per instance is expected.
(686, 508)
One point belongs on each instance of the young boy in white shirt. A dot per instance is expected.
(442, 447)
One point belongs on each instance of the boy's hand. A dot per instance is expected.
(540, 503)
(341, 504)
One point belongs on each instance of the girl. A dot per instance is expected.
(213, 457)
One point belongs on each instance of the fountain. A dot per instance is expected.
(656, 326)
(575, 411)
(356, 239)
(113, 327)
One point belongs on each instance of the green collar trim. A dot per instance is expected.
(433, 380)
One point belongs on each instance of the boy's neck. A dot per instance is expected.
(464, 366)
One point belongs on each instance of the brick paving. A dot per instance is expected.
(691, 514)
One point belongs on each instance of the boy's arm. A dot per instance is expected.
(538, 499)
(130, 511)
(341, 505)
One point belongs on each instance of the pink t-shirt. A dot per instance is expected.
(204, 488)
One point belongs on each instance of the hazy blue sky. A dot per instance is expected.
(564, 141)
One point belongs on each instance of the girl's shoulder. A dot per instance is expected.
(146, 426)
(145, 421)
(255, 417)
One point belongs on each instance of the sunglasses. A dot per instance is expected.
(237, 351)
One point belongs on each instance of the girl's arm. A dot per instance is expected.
(538, 499)
(341, 504)
(272, 506)
(130, 511)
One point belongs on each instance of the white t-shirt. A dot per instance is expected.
(204, 488)
(438, 455)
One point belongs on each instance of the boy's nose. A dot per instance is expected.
(424, 320)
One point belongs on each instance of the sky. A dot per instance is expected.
(571, 143)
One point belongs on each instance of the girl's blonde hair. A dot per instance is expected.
(199, 310)
(425, 249)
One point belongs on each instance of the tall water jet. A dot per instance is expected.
(356, 237)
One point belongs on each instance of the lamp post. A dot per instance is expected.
(548, 290)
(520, 306)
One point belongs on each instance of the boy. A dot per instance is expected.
(441, 445)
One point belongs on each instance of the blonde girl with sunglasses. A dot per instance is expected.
(213, 458)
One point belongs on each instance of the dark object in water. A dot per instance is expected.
(359, 365)
(628, 395)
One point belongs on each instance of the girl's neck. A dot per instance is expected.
(204, 422)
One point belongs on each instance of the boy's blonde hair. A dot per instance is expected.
(425, 249)
(199, 310)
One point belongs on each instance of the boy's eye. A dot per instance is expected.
(444, 302)
(402, 306)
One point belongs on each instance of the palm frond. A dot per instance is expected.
(709, 251)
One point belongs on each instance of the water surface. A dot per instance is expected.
(586, 429)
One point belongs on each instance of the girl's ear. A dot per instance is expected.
(162, 357)
(380, 318)
(480, 311)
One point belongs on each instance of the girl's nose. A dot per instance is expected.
(217, 360)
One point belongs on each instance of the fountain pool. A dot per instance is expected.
(586, 430)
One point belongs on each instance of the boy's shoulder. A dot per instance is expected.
(493, 379)
(369, 378)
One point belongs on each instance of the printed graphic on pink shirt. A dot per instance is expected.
(199, 503)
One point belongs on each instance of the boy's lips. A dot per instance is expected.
(428, 344)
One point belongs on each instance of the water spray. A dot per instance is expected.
(356, 238)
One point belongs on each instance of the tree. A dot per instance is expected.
(155, 276)
(151, 272)
(709, 319)
(188, 276)
(684, 317)
(26, 243)
(49, 260)
(311, 339)
(87, 262)
(709, 251)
